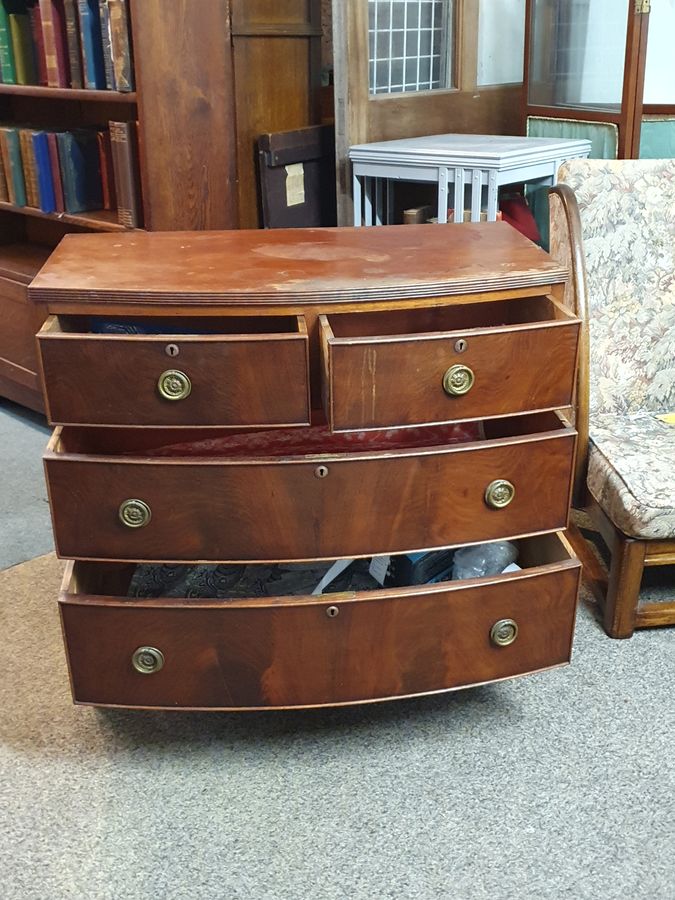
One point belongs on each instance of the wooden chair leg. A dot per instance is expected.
(623, 592)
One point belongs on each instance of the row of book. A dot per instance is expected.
(75, 171)
(66, 44)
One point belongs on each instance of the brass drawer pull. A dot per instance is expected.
(458, 380)
(134, 513)
(147, 660)
(499, 493)
(504, 632)
(174, 385)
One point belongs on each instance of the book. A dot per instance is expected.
(7, 64)
(55, 42)
(104, 18)
(7, 167)
(107, 172)
(37, 43)
(124, 142)
(29, 167)
(73, 41)
(80, 170)
(92, 50)
(56, 171)
(13, 166)
(4, 192)
(46, 197)
(22, 45)
(120, 39)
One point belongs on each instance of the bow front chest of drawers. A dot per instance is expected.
(289, 396)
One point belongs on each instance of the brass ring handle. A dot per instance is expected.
(458, 380)
(147, 660)
(499, 493)
(134, 513)
(504, 632)
(174, 385)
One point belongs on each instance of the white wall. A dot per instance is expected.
(501, 37)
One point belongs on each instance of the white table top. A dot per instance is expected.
(482, 150)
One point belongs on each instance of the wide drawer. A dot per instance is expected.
(220, 507)
(316, 651)
(225, 372)
(451, 363)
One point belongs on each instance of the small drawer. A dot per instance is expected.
(126, 495)
(224, 372)
(447, 364)
(284, 652)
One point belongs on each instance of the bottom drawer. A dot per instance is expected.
(316, 651)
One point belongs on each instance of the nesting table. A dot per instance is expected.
(477, 163)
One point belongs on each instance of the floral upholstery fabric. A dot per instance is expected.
(631, 473)
(627, 210)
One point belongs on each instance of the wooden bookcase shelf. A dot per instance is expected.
(94, 220)
(53, 93)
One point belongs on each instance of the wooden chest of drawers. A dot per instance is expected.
(290, 396)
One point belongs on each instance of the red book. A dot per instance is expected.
(38, 43)
(56, 171)
(55, 42)
(107, 173)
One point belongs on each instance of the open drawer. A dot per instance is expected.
(226, 372)
(316, 650)
(447, 363)
(136, 495)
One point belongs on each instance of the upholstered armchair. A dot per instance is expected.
(613, 222)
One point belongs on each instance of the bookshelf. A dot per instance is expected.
(183, 104)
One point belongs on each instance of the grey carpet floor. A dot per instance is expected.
(560, 785)
(25, 528)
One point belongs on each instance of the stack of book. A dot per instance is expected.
(66, 44)
(59, 171)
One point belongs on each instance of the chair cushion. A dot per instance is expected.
(631, 473)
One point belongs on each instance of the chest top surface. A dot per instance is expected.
(284, 266)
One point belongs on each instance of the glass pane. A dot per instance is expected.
(501, 37)
(660, 68)
(410, 45)
(577, 53)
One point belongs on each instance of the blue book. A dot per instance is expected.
(44, 172)
(92, 46)
(80, 170)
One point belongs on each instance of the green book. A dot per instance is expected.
(22, 43)
(10, 137)
(7, 65)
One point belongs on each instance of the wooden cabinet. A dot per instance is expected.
(394, 463)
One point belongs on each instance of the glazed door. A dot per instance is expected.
(405, 68)
(585, 71)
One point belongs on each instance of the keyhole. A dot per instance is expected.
(171, 350)
(332, 611)
(460, 345)
(321, 471)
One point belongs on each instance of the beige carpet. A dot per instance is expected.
(558, 785)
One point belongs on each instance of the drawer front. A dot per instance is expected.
(326, 508)
(181, 380)
(300, 653)
(381, 382)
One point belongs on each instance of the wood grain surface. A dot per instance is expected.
(282, 265)
(288, 652)
(245, 379)
(284, 509)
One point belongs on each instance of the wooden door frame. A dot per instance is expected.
(628, 118)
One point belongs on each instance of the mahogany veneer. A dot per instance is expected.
(366, 323)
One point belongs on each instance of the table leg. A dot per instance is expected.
(368, 201)
(458, 202)
(378, 202)
(492, 196)
(443, 194)
(476, 194)
(358, 201)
